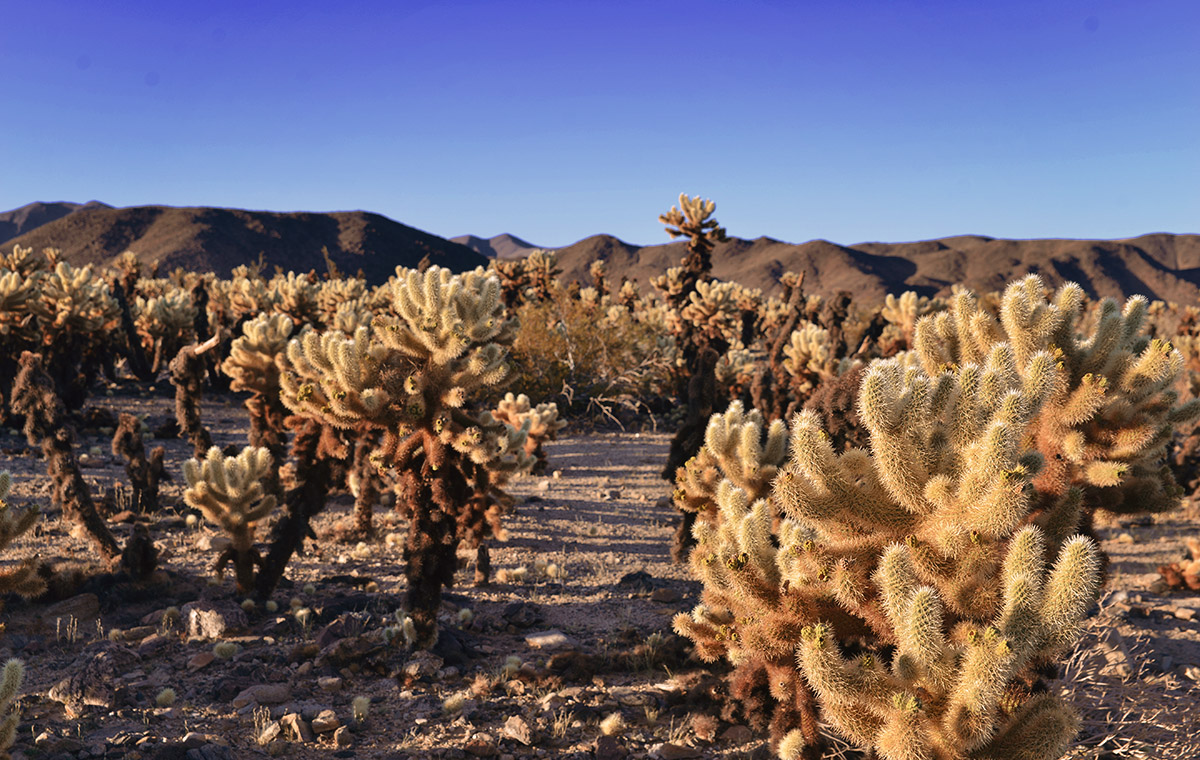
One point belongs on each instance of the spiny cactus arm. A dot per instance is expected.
(10, 684)
(23, 579)
(229, 491)
(338, 380)
(854, 697)
(830, 492)
(1040, 729)
(251, 362)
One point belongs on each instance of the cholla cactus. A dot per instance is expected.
(410, 378)
(1111, 412)
(544, 424)
(251, 366)
(76, 317)
(933, 548)
(333, 294)
(701, 344)
(187, 375)
(902, 315)
(10, 685)
(598, 270)
(809, 357)
(541, 273)
(164, 324)
(22, 579)
(297, 296)
(723, 310)
(229, 492)
(144, 473)
(36, 399)
(739, 448)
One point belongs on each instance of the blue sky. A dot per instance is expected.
(851, 121)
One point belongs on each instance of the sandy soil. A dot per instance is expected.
(592, 538)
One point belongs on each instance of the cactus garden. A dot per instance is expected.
(493, 513)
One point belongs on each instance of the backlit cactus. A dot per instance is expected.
(410, 377)
(164, 324)
(1112, 406)
(251, 366)
(229, 492)
(544, 424)
(947, 550)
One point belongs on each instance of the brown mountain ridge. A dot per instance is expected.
(219, 239)
(1160, 266)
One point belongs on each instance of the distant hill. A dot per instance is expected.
(33, 215)
(1161, 266)
(499, 247)
(219, 239)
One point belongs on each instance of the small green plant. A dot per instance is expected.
(359, 708)
(165, 698)
(225, 650)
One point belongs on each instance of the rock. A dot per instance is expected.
(210, 752)
(665, 595)
(200, 660)
(516, 728)
(325, 722)
(153, 643)
(214, 543)
(521, 614)
(638, 582)
(55, 745)
(270, 732)
(211, 620)
(263, 694)
(423, 665)
(672, 751)
(608, 748)
(83, 608)
(296, 728)
(342, 738)
(737, 735)
(95, 683)
(194, 739)
(1183, 613)
(329, 683)
(552, 639)
(480, 745)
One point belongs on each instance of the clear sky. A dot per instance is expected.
(847, 120)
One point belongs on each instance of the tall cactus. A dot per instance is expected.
(410, 377)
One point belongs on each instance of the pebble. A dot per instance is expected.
(200, 660)
(263, 694)
(516, 728)
(210, 620)
(481, 745)
(325, 722)
(330, 683)
(551, 639)
(296, 728)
